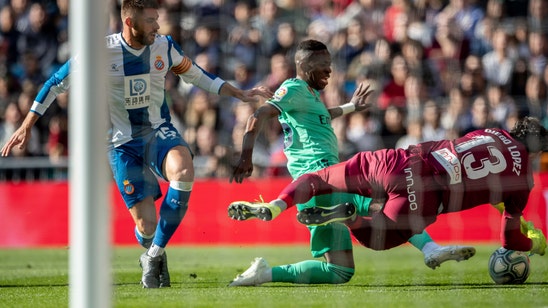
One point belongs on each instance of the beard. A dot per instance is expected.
(144, 38)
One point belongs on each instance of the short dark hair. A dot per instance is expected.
(311, 45)
(134, 7)
(307, 47)
(531, 133)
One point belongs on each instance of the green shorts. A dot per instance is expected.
(334, 236)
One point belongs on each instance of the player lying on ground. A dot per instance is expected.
(486, 166)
(310, 145)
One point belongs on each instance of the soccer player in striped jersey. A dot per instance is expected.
(143, 142)
(310, 145)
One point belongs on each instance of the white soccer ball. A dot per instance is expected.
(508, 266)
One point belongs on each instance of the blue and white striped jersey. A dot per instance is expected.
(136, 81)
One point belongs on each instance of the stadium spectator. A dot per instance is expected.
(501, 105)
(467, 14)
(243, 38)
(311, 145)
(347, 148)
(472, 80)
(413, 136)
(396, 18)
(352, 43)
(21, 9)
(415, 96)
(480, 116)
(286, 40)
(449, 41)
(498, 64)
(432, 129)
(57, 144)
(8, 36)
(393, 93)
(279, 71)
(139, 119)
(371, 13)
(60, 22)
(454, 116)
(39, 37)
(481, 43)
(206, 41)
(393, 126)
(8, 89)
(29, 69)
(496, 10)
(537, 52)
(205, 159)
(420, 66)
(363, 130)
(535, 99)
(265, 23)
(537, 17)
(199, 112)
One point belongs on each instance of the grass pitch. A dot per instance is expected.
(394, 278)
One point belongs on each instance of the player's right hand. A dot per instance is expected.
(539, 241)
(20, 137)
(242, 170)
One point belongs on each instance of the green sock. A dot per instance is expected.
(419, 240)
(312, 272)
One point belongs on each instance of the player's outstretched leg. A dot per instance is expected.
(319, 215)
(255, 275)
(243, 210)
(151, 270)
(441, 254)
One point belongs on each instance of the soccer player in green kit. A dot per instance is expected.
(310, 144)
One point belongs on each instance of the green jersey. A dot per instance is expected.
(310, 143)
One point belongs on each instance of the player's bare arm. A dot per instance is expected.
(358, 102)
(22, 135)
(248, 96)
(192, 73)
(255, 123)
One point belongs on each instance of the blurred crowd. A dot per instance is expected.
(441, 68)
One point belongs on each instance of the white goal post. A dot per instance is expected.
(89, 198)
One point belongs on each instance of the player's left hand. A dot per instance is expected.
(359, 98)
(251, 95)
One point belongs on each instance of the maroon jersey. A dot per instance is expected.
(423, 181)
(484, 166)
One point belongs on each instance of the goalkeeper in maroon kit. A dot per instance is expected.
(413, 186)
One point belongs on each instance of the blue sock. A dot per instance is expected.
(172, 211)
(143, 241)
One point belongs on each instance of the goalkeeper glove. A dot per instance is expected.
(539, 241)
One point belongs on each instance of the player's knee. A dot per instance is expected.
(146, 227)
(183, 174)
(178, 165)
(341, 274)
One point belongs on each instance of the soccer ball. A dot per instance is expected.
(508, 266)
